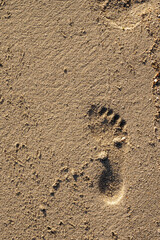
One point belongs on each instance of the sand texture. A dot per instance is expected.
(80, 120)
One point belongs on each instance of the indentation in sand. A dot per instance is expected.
(116, 199)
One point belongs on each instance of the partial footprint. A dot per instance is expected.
(109, 129)
(156, 98)
(124, 14)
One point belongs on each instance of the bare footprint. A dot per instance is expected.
(156, 98)
(109, 129)
(124, 14)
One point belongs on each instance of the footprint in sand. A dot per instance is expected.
(124, 14)
(156, 98)
(109, 129)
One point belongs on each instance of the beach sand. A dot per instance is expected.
(79, 120)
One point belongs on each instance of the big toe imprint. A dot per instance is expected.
(109, 129)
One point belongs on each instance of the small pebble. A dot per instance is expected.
(102, 154)
(42, 207)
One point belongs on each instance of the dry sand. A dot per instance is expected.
(79, 120)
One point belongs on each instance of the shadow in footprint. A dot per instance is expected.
(109, 181)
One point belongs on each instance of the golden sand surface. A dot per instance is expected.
(79, 119)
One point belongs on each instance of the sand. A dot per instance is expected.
(79, 120)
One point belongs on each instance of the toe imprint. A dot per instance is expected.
(105, 117)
